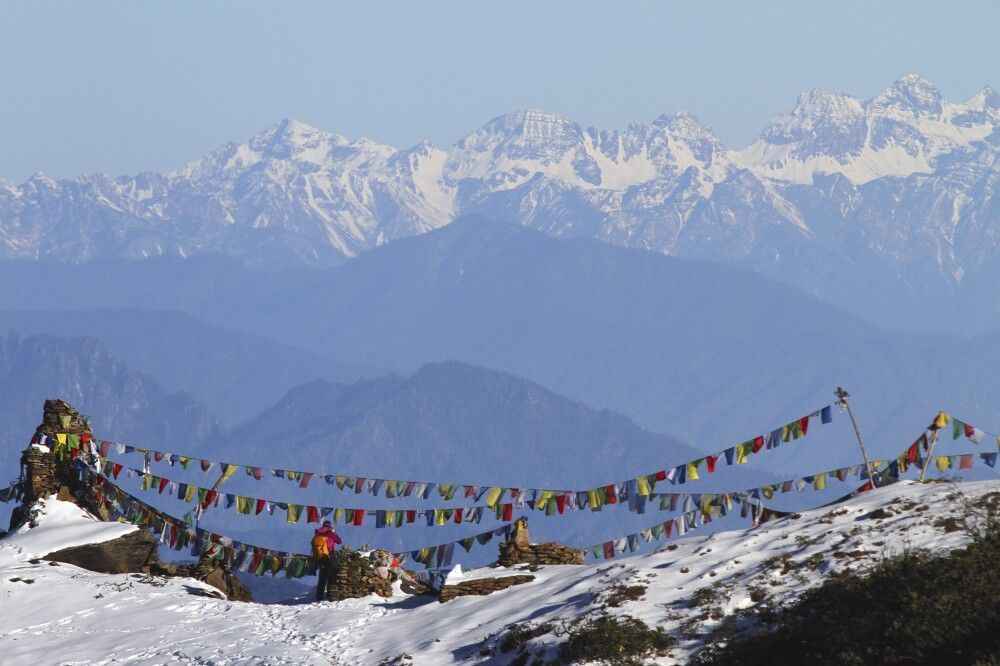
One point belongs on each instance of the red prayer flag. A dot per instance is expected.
(411, 515)
(661, 475)
(205, 464)
(912, 453)
(157, 456)
(560, 503)
(359, 516)
(304, 481)
(668, 528)
(965, 461)
(508, 511)
(710, 461)
(458, 516)
(312, 514)
(969, 430)
(758, 442)
(116, 470)
(609, 550)
(804, 425)
(260, 506)
(611, 493)
(163, 485)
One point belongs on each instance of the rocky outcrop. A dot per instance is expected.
(135, 552)
(481, 586)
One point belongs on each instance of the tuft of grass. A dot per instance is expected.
(616, 641)
(518, 635)
(620, 594)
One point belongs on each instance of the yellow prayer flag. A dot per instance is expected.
(643, 484)
(819, 482)
(942, 462)
(226, 473)
(941, 420)
(61, 439)
(493, 496)
(190, 493)
(692, 470)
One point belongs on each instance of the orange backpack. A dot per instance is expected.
(320, 546)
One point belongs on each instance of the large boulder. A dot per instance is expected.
(220, 578)
(133, 553)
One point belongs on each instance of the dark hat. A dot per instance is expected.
(326, 523)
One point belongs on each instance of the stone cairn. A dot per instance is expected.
(353, 576)
(42, 473)
(520, 550)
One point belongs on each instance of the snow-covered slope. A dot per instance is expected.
(79, 616)
(839, 194)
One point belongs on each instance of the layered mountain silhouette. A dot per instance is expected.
(235, 374)
(707, 353)
(455, 422)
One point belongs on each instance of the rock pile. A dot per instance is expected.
(538, 553)
(520, 550)
(481, 586)
(353, 576)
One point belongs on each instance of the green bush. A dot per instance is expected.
(616, 641)
(910, 609)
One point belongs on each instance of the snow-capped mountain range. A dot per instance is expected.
(898, 190)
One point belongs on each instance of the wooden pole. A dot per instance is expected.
(842, 396)
(930, 450)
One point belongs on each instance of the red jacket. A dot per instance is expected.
(332, 538)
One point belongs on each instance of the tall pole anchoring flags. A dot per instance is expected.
(842, 397)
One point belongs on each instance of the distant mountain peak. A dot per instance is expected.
(986, 99)
(911, 93)
(293, 139)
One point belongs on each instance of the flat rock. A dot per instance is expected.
(132, 553)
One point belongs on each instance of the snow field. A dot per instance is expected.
(70, 616)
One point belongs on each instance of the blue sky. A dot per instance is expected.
(122, 87)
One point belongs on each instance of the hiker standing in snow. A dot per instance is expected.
(324, 542)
